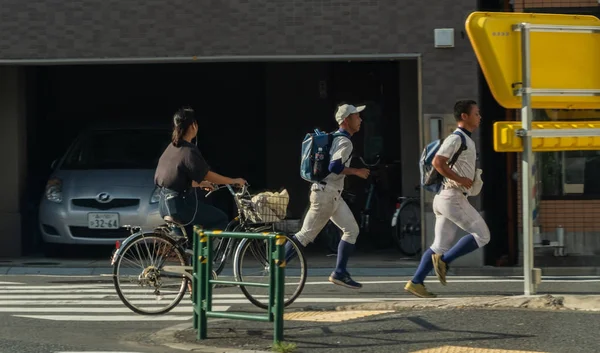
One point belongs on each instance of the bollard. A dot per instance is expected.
(204, 280)
(202, 240)
(279, 287)
(560, 239)
(208, 273)
(195, 274)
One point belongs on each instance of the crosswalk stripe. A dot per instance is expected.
(221, 301)
(178, 309)
(111, 318)
(100, 302)
(113, 294)
(93, 302)
(97, 291)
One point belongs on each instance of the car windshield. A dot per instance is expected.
(118, 149)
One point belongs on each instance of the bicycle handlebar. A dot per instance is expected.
(372, 164)
(244, 188)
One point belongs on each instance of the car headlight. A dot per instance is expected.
(155, 196)
(54, 190)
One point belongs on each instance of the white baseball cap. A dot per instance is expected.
(346, 109)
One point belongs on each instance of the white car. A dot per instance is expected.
(104, 181)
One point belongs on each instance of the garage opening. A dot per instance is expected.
(253, 117)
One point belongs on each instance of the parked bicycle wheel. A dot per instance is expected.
(251, 264)
(137, 274)
(407, 230)
(222, 248)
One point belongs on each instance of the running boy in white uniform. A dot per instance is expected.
(326, 200)
(450, 205)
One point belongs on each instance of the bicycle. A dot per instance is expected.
(365, 213)
(169, 242)
(374, 216)
(406, 225)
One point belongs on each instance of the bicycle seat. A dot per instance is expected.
(172, 220)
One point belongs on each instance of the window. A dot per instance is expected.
(118, 149)
(569, 173)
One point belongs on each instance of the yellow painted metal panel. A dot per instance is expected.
(506, 140)
(558, 60)
(568, 114)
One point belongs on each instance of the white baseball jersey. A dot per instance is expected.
(465, 166)
(451, 208)
(341, 148)
(326, 202)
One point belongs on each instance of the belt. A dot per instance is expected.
(445, 188)
(325, 184)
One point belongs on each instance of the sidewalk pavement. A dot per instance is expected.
(330, 329)
(380, 263)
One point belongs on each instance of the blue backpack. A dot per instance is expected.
(314, 165)
(431, 179)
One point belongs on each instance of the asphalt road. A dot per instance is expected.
(84, 314)
(425, 331)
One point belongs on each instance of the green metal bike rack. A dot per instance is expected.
(202, 282)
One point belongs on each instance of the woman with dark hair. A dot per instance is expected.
(181, 170)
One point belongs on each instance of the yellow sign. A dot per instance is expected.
(568, 114)
(559, 60)
(506, 140)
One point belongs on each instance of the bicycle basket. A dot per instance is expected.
(267, 207)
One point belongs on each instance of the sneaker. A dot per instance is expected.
(344, 280)
(419, 290)
(441, 268)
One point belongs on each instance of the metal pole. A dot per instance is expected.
(527, 161)
(272, 277)
(202, 284)
(208, 273)
(195, 273)
(279, 287)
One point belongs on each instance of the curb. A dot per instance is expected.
(582, 303)
(587, 303)
(166, 337)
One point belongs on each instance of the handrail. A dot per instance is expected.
(202, 282)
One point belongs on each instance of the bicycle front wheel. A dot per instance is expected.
(251, 264)
(138, 274)
(407, 232)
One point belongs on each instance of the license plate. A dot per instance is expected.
(103, 220)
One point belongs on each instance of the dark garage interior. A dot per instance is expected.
(253, 117)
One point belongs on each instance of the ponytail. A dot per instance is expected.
(177, 135)
(182, 120)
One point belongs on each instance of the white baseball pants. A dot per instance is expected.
(326, 204)
(453, 210)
